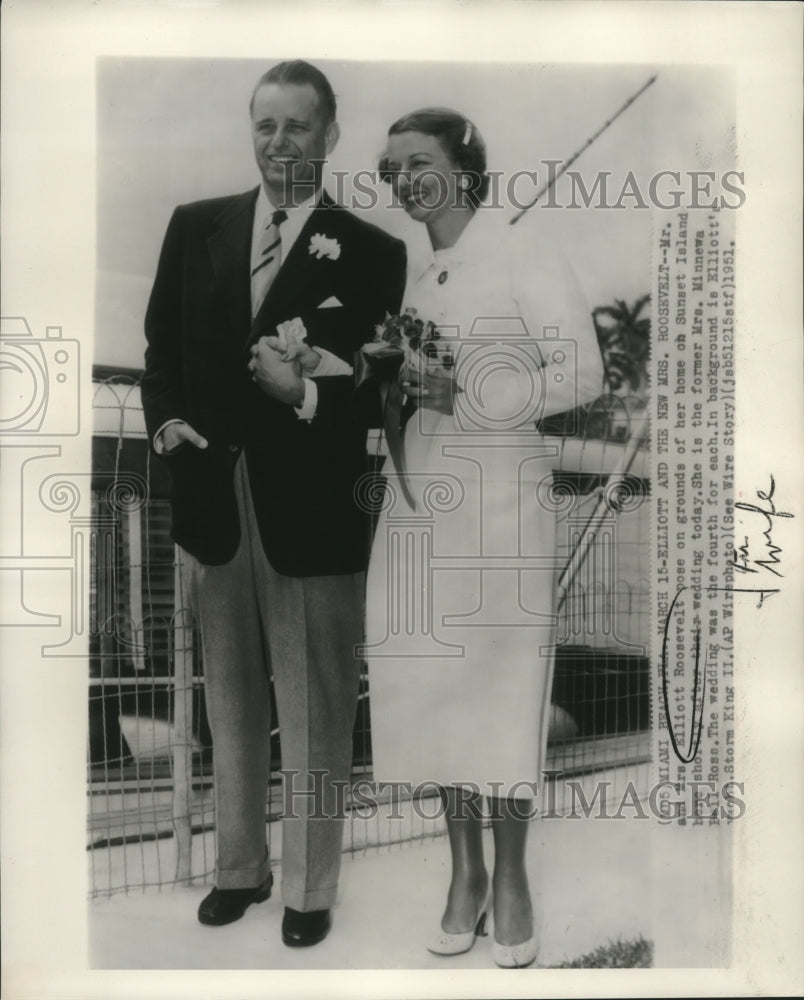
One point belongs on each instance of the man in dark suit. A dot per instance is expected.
(264, 454)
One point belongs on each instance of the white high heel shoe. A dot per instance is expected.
(515, 956)
(446, 943)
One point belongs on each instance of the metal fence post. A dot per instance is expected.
(182, 750)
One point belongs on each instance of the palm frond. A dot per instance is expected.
(624, 340)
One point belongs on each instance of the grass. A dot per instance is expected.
(619, 954)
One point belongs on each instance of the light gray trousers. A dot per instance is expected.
(254, 622)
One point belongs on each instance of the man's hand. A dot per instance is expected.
(175, 434)
(308, 357)
(274, 376)
(433, 389)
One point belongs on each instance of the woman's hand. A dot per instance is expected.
(308, 358)
(431, 388)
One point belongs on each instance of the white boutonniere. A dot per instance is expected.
(324, 246)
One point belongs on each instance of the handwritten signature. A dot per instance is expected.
(743, 562)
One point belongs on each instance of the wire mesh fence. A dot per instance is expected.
(150, 790)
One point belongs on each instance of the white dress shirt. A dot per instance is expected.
(297, 218)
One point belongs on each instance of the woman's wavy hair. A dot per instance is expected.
(460, 140)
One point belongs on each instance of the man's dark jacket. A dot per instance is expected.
(199, 331)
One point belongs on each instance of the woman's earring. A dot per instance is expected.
(466, 182)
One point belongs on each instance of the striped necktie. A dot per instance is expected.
(267, 260)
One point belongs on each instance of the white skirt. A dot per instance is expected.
(460, 622)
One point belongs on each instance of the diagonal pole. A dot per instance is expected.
(568, 163)
(602, 508)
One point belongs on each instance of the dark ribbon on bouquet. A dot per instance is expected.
(391, 401)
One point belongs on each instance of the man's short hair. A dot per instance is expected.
(299, 72)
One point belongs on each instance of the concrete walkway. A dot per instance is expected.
(594, 887)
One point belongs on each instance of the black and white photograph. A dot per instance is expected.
(403, 540)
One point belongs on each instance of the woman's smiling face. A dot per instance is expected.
(423, 176)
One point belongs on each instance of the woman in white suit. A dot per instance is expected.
(460, 608)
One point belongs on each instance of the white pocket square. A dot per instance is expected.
(330, 303)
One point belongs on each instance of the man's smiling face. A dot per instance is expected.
(291, 140)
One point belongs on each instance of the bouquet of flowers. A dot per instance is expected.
(406, 340)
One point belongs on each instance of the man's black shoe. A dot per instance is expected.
(223, 906)
(300, 930)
